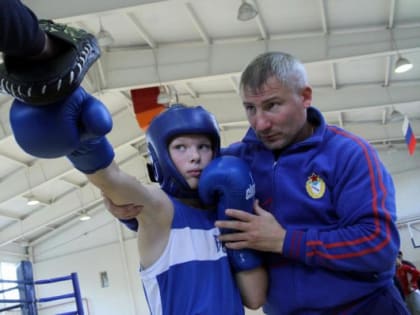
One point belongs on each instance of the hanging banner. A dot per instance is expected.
(145, 105)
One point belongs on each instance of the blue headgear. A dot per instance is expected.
(175, 121)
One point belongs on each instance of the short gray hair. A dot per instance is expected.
(286, 68)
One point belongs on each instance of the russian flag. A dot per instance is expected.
(410, 139)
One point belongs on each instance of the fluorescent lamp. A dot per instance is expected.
(104, 38)
(32, 202)
(402, 65)
(84, 217)
(246, 11)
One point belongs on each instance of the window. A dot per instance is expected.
(8, 272)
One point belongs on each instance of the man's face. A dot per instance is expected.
(277, 113)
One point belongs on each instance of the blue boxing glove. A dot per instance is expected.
(227, 181)
(74, 127)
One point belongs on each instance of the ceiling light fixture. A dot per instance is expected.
(246, 11)
(164, 97)
(402, 65)
(32, 201)
(395, 115)
(104, 37)
(84, 216)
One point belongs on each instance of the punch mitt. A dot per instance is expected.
(41, 82)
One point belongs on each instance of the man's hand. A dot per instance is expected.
(122, 212)
(259, 231)
(126, 214)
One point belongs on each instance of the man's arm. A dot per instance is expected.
(365, 239)
(20, 34)
(123, 189)
(259, 231)
(122, 212)
(43, 61)
(126, 214)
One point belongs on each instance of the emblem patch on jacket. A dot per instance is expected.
(315, 186)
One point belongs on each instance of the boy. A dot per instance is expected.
(184, 268)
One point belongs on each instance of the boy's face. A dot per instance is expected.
(191, 154)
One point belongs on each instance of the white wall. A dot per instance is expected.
(408, 193)
(120, 260)
(410, 252)
(114, 299)
(407, 187)
(13, 253)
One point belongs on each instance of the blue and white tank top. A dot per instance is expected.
(192, 276)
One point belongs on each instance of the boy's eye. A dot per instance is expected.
(204, 146)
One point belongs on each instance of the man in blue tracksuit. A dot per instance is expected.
(326, 212)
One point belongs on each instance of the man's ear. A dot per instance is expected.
(306, 95)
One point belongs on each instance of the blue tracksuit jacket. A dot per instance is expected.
(336, 201)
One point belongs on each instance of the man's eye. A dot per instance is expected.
(250, 109)
(272, 106)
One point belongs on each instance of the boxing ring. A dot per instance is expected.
(26, 287)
